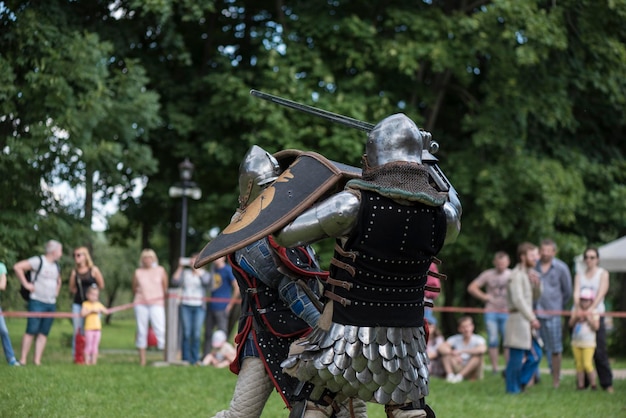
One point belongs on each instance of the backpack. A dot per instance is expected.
(25, 293)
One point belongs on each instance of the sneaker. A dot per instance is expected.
(14, 363)
(450, 378)
(458, 378)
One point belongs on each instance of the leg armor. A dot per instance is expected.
(252, 390)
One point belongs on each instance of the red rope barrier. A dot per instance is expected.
(537, 312)
(173, 295)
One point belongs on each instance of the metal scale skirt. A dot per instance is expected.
(376, 364)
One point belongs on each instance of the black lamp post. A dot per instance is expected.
(186, 188)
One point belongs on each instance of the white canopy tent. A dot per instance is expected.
(612, 256)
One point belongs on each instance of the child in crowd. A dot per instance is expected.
(222, 354)
(584, 324)
(91, 310)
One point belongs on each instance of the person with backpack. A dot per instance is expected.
(44, 284)
(84, 275)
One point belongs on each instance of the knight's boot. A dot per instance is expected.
(406, 411)
(252, 390)
(315, 410)
(352, 408)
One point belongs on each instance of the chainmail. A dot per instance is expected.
(399, 180)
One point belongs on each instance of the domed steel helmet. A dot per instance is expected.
(257, 169)
(395, 138)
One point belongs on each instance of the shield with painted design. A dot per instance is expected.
(309, 178)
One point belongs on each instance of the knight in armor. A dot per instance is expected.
(280, 289)
(389, 224)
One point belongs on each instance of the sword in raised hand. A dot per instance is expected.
(428, 158)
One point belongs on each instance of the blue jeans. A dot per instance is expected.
(6, 340)
(521, 367)
(77, 324)
(192, 320)
(494, 323)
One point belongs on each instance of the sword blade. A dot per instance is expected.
(431, 146)
(333, 117)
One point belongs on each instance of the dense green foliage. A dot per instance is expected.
(526, 98)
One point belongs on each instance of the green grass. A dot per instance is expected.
(118, 386)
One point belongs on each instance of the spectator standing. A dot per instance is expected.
(584, 322)
(495, 282)
(149, 287)
(524, 351)
(43, 297)
(462, 353)
(597, 279)
(4, 331)
(194, 283)
(226, 293)
(556, 282)
(91, 310)
(84, 275)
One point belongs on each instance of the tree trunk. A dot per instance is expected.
(89, 173)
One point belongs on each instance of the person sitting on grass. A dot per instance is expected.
(222, 354)
(435, 340)
(584, 323)
(462, 354)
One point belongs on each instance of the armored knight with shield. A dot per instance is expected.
(389, 224)
(280, 289)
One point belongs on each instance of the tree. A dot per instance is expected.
(72, 111)
(515, 93)
(526, 99)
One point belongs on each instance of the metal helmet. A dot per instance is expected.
(395, 138)
(257, 169)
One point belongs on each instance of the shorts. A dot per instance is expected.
(39, 325)
(494, 323)
(552, 334)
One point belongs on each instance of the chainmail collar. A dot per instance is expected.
(399, 180)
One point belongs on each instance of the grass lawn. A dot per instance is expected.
(119, 387)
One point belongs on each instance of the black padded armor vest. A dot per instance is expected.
(386, 258)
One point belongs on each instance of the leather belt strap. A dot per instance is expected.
(348, 254)
(340, 283)
(344, 266)
(337, 298)
(432, 289)
(437, 275)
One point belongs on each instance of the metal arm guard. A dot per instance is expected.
(453, 211)
(334, 217)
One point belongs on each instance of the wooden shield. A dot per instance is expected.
(308, 179)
